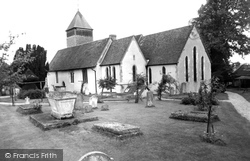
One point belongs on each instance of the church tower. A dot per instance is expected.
(79, 31)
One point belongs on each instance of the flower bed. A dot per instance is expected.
(198, 116)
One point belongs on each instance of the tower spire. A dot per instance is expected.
(79, 31)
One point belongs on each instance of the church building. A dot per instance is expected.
(178, 52)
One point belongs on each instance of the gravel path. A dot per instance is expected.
(240, 104)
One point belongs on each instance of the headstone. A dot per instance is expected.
(88, 109)
(95, 156)
(93, 101)
(183, 88)
(86, 89)
(79, 102)
(27, 100)
(150, 99)
(105, 107)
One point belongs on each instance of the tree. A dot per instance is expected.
(166, 85)
(139, 83)
(38, 66)
(222, 25)
(108, 83)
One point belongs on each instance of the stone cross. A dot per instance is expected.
(150, 99)
(93, 101)
(27, 100)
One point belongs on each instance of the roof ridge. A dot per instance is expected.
(168, 30)
(84, 44)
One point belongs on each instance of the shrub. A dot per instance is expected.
(32, 94)
(192, 99)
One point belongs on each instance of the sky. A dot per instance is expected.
(43, 22)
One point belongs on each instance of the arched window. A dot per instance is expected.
(72, 77)
(202, 68)
(107, 72)
(134, 73)
(163, 70)
(186, 67)
(150, 75)
(195, 70)
(114, 75)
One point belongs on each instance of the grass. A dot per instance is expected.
(222, 96)
(163, 138)
(245, 94)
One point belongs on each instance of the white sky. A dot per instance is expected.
(45, 21)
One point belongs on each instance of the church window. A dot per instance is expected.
(114, 74)
(202, 68)
(194, 61)
(186, 68)
(134, 73)
(150, 75)
(57, 77)
(84, 76)
(107, 72)
(72, 77)
(163, 70)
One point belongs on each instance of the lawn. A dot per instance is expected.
(163, 138)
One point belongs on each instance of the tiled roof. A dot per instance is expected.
(165, 47)
(78, 57)
(243, 70)
(116, 51)
(79, 22)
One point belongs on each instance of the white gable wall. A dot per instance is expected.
(132, 57)
(157, 74)
(188, 51)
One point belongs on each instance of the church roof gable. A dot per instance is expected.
(78, 57)
(165, 47)
(79, 22)
(243, 70)
(117, 51)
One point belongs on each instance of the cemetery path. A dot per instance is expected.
(240, 104)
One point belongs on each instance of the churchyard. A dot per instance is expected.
(161, 138)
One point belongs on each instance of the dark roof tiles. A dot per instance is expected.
(78, 57)
(165, 47)
(243, 70)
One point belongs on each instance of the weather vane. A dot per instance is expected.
(77, 5)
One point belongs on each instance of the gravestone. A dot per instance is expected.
(183, 88)
(93, 101)
(105, 107)
(150, 99)
(95, 156)
(88, 109)
(79, 102)
(27, 100)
